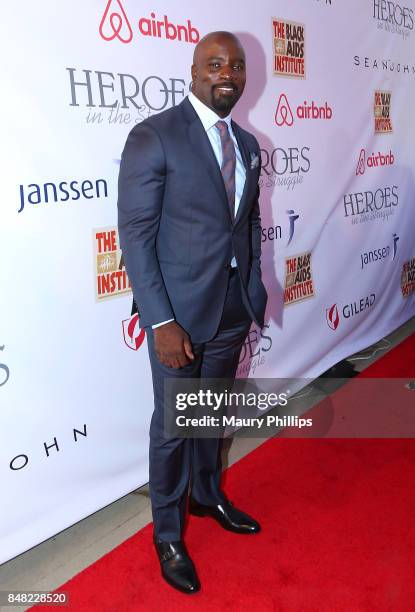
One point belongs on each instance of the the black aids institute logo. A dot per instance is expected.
(299, 284)
(408, 278)
(393, 17)
(4, 371)
(288, 38)
(284, 168)
(112, 98)
(382, 112)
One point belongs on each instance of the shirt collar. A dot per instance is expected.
(206, 115)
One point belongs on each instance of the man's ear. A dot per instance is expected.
(194, 72)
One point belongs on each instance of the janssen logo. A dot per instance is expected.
(275, 232)
(378, 255)
(115, 24)
(284, 114)
(36, 195)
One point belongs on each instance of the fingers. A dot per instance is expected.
(188, 349)
(172, 345)
(176, 361)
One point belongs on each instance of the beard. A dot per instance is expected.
(224, 103)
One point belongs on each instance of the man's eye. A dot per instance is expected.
(238, 67)
(215, 64)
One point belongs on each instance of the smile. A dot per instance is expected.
(226, 88)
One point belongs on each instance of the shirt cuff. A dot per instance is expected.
(162, 323)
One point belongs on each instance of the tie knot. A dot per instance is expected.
(222, 127)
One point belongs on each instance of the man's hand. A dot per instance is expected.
(172, 345)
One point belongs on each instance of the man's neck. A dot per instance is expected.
(221, 115)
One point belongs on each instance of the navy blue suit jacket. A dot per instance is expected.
(175, 227)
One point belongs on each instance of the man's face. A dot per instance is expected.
(218, 74)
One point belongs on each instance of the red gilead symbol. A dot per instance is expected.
(332, 317)
(133, 335)
(283, 114)
(115, 23)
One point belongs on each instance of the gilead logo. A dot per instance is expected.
(115, 24)
(284, 114)
(373, 161)
(332, 317)
(349, 310)
(133, 335)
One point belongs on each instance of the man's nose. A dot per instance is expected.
(227, 72)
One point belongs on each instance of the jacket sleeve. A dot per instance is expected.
(256, 232)
(140, 199)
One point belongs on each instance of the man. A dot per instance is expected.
(190, 234)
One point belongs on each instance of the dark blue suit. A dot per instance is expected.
(178, 239)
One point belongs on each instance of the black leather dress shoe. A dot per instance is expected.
(226, 515)
(177, 567)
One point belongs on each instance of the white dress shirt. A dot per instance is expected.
(208, 118)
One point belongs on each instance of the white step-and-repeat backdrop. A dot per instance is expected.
(330, 94)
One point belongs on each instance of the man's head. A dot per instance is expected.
(218, 71)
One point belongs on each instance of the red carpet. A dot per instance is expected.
(398, 363)
(338, 533)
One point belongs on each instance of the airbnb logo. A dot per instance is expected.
(284, 114)
(115, 24)
(373, 161)
(6, 372)
(361, 164)
(332, 317)
(133, 335)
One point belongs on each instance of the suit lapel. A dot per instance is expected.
(203, 149)
(246, 161)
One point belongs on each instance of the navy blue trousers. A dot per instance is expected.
(177, 462)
